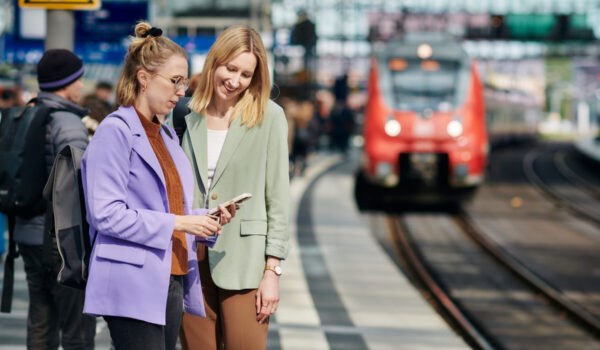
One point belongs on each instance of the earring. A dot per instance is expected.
(144, 88)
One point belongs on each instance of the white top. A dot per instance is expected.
(215, 141)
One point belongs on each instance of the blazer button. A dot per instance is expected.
(214, 196)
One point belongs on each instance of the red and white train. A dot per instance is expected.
(425, 137)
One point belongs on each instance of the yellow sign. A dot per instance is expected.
(61, 4)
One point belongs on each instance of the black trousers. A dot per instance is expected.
(129, 333)
(55, 311)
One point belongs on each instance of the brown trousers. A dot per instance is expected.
(230, 322)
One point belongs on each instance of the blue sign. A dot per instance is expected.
(195, 44)
(111, 23)
(100, 36)
(31, 51)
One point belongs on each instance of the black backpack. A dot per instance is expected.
(64, 190)
(22, 164)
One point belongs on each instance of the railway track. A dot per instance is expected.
(573, 167)
(550, 172)
(491, 298)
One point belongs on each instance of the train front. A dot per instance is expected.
(425, 135)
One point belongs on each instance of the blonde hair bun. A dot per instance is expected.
(148, 50)
(141, 29)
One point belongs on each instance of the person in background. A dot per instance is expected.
(236, 139)
(104, 91)
(320, 123)
(55, 312)
(98, 102)
(302, 137)
(341, 90)
(342, 117)
(138, 187)
(194, 80)
(342, 126)
(290, 108)
(8, 99)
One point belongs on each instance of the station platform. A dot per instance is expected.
(589, 147)
(340, 289)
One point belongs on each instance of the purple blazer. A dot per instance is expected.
(127, 204)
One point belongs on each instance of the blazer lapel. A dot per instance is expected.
(196, 126)
(141, 144)
(232, 141)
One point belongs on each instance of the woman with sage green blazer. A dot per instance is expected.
(236, 139)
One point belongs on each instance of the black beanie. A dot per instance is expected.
(57, 69)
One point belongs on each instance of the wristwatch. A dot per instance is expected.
(276, 269)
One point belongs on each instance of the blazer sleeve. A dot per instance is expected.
(105, 170)
(277, 184)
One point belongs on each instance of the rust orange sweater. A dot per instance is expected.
(179, 264)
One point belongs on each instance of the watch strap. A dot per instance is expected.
(274, 269)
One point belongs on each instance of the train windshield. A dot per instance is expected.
(418, 85)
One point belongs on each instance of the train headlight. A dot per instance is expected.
(424, 51)
(454, 128)
(392, 127)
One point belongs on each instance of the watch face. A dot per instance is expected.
(278, 270)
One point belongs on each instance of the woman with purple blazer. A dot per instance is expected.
(139, 190)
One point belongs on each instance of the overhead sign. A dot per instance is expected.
(62, 4)
(112, 23)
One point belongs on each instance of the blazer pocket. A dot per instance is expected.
(253, 227)
(121, 253)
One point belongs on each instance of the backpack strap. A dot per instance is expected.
(48, 237)
(9, 268)
(49, 215)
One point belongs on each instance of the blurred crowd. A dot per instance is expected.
(100, 102)
(325, 122)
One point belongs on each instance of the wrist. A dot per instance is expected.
(179, 225)
(273, 261)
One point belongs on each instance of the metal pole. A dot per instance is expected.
(60, 30)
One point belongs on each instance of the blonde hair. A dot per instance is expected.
(252, 103)
(146, 53)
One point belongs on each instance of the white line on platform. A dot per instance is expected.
(296, 307)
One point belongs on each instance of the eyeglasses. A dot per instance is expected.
(178, 81)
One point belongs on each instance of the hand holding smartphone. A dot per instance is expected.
(215, 214)
(237, 201)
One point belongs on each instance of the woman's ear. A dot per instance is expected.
(142, 77)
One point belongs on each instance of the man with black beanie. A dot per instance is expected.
(55, 312)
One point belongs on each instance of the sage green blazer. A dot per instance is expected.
(254, 161)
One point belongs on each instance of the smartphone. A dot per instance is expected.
(238, 201)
